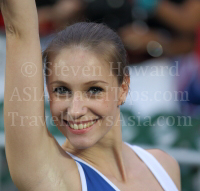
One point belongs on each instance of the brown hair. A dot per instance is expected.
(97, 38)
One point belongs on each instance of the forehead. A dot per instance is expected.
(78, 56)
(80, 64)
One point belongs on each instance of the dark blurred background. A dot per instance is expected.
(162, 39)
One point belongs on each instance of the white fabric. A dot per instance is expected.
(82, 177)
(157, 170)
(154, 166)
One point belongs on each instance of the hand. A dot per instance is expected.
(136, 37)
(65, 10)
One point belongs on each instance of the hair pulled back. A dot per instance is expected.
(95, 37)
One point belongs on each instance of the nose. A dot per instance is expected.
(77, 107)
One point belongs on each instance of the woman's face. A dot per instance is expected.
(82, 88)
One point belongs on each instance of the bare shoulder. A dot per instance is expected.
(169, 164)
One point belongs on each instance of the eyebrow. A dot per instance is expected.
(87, 83)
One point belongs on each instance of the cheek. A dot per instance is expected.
(57, 107)
(106, 106)
(103, 105)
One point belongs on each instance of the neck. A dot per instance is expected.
(109, 149)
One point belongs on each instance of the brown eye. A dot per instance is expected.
(95, 90)
(62, 90)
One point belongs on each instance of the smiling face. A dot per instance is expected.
(82, 90)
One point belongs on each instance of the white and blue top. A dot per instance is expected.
(92, 179)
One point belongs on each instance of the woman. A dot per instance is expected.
(82, 87)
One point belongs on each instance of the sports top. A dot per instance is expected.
(92, 179)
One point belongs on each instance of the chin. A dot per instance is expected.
(81, 143)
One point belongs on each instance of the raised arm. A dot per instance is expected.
(20, 17)
(27, 138)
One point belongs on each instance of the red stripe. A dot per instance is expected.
(1, 21)
(198, 41)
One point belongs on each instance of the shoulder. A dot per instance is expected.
(170, 165)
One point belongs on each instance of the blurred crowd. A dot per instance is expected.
(148, 28)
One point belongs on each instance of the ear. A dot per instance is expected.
(124, 90)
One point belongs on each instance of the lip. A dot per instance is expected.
(80, 131)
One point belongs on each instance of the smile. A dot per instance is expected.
(81, 125)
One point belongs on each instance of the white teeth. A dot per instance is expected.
(84, 126)
(75, 126)
(81, 126)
